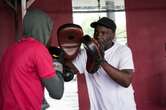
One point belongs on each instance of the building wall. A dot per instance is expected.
(146, 24)
(7, 26)
(58, 10)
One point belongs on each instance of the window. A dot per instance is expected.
(86, 12)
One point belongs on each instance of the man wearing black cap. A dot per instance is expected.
(110, 87)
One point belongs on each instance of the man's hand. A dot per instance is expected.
(100, 50)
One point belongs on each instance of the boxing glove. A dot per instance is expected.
(58, 58)
(68, 74)
(58, 63)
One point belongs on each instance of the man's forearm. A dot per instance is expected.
(54, 86)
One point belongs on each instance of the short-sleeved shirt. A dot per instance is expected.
(104, 92)
(23, 66)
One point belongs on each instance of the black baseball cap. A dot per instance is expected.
(105, 21)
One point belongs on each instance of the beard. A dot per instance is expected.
(108, 43)
(105, 43)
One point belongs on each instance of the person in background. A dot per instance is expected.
(110, 86)
(27, 67)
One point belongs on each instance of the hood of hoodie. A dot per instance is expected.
(38, 25)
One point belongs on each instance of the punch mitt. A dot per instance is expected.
(69, 39)
(93, 54)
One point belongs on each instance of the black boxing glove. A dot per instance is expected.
(56, 53)
(58, 59)
(61, 69)
(95, 54)
(68, 74)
